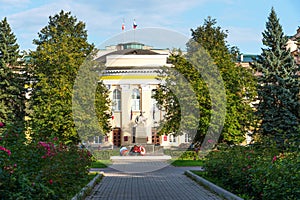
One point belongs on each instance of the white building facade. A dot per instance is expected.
(131, 77)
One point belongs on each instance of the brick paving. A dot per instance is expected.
(167, 183)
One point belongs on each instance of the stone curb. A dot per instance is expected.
(88, 188)
(220, 191)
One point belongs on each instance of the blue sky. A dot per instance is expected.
(244, 20)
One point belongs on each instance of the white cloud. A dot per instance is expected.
(103, 18)
(239, 34)
(14, 2)
(248, 40)
(7, 6)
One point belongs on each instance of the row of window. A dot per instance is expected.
(135, 100)
(172, 138)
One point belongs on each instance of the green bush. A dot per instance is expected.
(105, 154)
(182, 154)
(256, 172)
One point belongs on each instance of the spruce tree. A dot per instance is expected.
(12, 78)
(278, 88)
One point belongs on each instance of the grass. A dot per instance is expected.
(100, 164)
(217, 182)
(204, 175)
(187, 163)
(90, 177)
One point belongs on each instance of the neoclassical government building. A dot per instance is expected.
(130, 76)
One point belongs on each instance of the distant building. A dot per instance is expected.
(293, 45)
(130, 75)
(245, 59)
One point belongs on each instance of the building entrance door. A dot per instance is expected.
(155, 137)
(117, 137)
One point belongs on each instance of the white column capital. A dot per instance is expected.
(145, 87)
(125, 87)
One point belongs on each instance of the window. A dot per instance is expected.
(97, 139)
(154, 105)
(116, 104)
(187, 138)
(172, 138)
(135, 100)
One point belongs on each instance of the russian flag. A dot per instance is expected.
(134, 24)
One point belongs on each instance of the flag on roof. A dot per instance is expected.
(134, 24)
(112, 116)
(123, 26)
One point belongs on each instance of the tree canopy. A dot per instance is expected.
(62, 48)
(239, 82)
(215, 72)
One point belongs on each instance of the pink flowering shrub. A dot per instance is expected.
(256, 172)
(40, 169)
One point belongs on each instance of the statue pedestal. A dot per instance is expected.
(141, 134)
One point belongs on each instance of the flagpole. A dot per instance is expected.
(123, 29)
(134, 27)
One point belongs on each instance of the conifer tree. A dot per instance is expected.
(278, 89)
(12, 78)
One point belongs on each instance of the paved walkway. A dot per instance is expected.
(167, 183)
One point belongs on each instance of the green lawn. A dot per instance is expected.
(219, 183)
(100, 164)
(187, 163)
(204, 175)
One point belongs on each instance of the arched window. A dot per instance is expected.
(135, 100)
(116, 104)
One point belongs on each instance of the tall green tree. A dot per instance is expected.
(239, 82)
(209, 69)
(62, 47)
(91, 104)
(12, 78)
(183, 96)
(279, 87)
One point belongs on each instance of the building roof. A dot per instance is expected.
(127, 52)
(246, 58)
(296, 36)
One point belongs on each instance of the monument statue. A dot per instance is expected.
(140, 119)
(141, 133)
